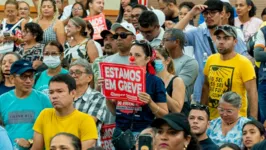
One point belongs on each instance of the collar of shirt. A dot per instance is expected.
(85, 96)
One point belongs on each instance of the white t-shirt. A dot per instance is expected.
(67, 12)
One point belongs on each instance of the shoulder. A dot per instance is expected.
(178, 80)
(256, 20)
(243, 120)
(243, 59)
(48, 112)
(7, 95)
(59, 22)
(214, 56)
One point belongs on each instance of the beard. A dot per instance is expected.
(224, 51)
(211, 26)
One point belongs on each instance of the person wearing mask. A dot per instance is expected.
(24, 11)
(253, 133)
(198, 118)
(174, 133)
(79, 46)
(239, 77)
(175, 87)
(87, 100)
(150, 28)
(52, 58)
(5, 142)
(202, 38)
(246, 20)
(6, 61)
(185, 67)
(47, 19)
(32, 49)
(125, 6)
(66, 140)
(229, 123)
(63, 117)
(136, 11)
(19, 108)
(78, 10)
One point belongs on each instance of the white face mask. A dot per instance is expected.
(52, 61)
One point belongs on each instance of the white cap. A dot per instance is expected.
(226, 1)
(160, 15)
(128, 26)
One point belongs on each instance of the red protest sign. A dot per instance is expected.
(98, 23)
(107, 131)
(123, 82)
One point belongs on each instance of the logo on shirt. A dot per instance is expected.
(17, 117)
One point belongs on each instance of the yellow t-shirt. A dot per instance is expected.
(229, 75)
(77, 123)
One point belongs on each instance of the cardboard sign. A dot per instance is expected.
(123, 82)
(99, 24)
(107, 131)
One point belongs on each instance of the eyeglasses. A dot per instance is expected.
(25, 77)
(211, 13)
(225, 111)
(51, 54)
(122, 35)
(168, 39)
(76, 73)
(76, 9)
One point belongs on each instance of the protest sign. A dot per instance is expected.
(107, 131)
(98, 23)
(123, 82)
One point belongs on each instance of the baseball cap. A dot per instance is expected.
(177, 121)
(105, 32)
(214, 5)
(21, 66)
(227, 30)
(128, 26)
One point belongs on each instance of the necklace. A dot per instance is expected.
(232, 122)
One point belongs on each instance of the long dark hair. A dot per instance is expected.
(253, 9)
(121, 10)
(84, 14)
(229, 9)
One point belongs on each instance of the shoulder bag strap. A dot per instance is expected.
(211, 45)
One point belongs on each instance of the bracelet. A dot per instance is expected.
(158, 108)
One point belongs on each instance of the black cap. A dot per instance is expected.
(214, 5)
(106, 32)
(21, 66)
(227, 30)
(177, 121)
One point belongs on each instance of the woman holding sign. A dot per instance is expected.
(132, 118)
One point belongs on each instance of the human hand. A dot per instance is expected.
(144, 97)
(22, 142)
(169, 24)
(197, 9)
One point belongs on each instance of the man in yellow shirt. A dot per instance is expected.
(229, 71)
(63, 117)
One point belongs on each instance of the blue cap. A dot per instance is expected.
(21, 66)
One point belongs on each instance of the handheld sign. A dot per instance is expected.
(99, 24)
(107, 131)
(123, 82)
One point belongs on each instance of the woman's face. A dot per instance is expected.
(11, 11)
(167, 138)
(251, 135)
(160, 57)
(23, 10)
(140, 58)
(61, 142)
(183, 12)
(77, 10)
(127, 13)
(228, 112)
(51, 50)
(124, 3)
(27, 35)
(242, 8)
(263, 17)
(47, 8)
(7, 61)
(97, 6)
(71, 29)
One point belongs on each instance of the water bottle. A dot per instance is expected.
(205, 57)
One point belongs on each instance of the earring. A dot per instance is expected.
(185, 147)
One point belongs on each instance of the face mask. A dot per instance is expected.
(52, 61)
(159, 65)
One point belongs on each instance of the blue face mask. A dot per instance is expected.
(158, 65)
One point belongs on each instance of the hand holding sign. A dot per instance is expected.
(144, 97)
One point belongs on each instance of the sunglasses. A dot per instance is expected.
(200, 107)
(226, 28)
(122, 35)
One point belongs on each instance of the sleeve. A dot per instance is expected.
(97, 108)
(189, 72)
(160, 95)
(259, 53)
(247, 72)
(189, 36)
(5, 142)
(66, 12)
(38, 125)
(88, 129)
(207, 67)
(241, 47)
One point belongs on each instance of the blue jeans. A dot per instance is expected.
(262, 100)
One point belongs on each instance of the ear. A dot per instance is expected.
(89, 78)
(228, 15)
(187, 141)
(73, 94)
(262, 138)
(249, 7)
(222, 14)
(168, 60)
(208, 124)
(148, 59)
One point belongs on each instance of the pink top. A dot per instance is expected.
(250, 27)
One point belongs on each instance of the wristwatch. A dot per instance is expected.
(30, 141)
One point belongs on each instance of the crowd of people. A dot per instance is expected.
(204, 84)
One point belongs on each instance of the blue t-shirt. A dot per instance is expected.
(42, 83)
(5, 142)
(4, 89)
(19, 115)
(143, 115)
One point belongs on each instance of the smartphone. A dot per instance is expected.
(6, 34)
(145, 142)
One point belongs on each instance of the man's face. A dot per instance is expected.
(124, 45)
(60, 95)
(225, 44)
(149, 33)
(97, 6)
(24, 81)
(213, 18)
(198, 120)
(166, 9)
(135, 17)
(168, 42)
(110, 46)
(80, 75)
